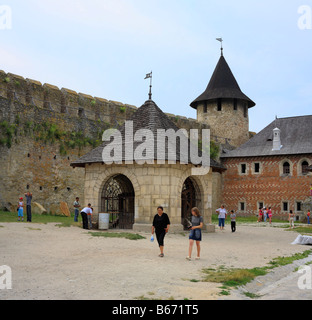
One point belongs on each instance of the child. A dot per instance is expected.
(265, 212)
(233, 221)
(20, 209)
(270, 214)
(308, 216)
(292, 219)
(260, 215)
(195, 234)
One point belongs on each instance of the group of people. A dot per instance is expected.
(222, 215)
(265, 215)
(86, 214)
(20, 207)
(161, 226)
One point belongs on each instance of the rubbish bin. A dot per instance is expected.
(104, 221)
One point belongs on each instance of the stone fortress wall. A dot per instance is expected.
(44, 128)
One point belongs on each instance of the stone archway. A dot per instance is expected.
(190, 198)
(118, 199)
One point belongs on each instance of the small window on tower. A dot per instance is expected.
(219, 104)
(235, 104)
(205, 109)
(245, 110)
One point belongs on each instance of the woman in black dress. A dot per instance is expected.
(161, 225)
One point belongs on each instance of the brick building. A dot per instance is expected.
(271, 169)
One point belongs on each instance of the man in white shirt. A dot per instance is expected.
(87, 211)
(222, 216)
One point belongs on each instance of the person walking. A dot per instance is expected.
(28, 197)
(20, 209)
(161, 226)
(291, 219)
(76, 206)
(84, 215)
(233, 221)
(308, 216)
(222, 216)
(196, 233)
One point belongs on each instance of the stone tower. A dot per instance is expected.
(224, 107)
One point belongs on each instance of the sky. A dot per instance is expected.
(105, 48)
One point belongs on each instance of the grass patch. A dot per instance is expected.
(224, 293)
(36, 229)
(242, 220)
(129, 236)
(283, 261)
(303, 230)
(233, 277)
(194, 280)
(8, 217)
(252, 295)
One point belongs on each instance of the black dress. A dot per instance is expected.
(160, 223)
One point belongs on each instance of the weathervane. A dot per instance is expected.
(150, 76)
(221, 40)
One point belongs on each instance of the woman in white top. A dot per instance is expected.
(222, 216)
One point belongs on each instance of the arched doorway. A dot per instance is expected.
(118, 199)
(190, 199)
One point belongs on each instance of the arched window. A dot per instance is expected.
(304, 167)
(286, 168)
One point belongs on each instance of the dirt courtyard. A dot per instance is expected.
(52, 263)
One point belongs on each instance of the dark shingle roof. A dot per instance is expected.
(222, 85)
(150, 117)
(296, 138)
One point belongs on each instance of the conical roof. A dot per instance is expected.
(222, 85)
(152, 118)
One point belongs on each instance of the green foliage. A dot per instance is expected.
(51, 133)
(6, 80)
(7, 132)
(214, 150)
(129, 236)
(122, 109)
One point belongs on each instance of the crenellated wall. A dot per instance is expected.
(41, 165)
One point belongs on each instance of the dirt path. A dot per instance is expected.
(68, 263)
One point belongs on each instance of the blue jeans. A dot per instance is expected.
(76, 215)
(221, 222)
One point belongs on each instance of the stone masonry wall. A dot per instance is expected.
(229, 126)
(28, 163)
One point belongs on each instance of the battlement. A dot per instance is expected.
(69, 102)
